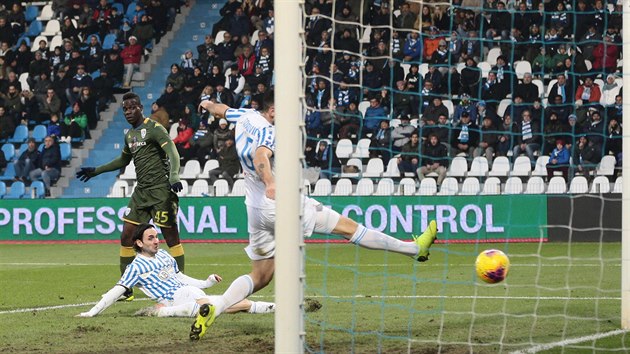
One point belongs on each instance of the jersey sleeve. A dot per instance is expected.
(125, 148)
(266, 136)
(159, 134)
(130, 278)
(233, 115)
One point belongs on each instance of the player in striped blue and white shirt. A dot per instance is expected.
(155, 272)
(255, 146)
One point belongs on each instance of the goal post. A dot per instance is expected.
(625, 207)
(289, 327)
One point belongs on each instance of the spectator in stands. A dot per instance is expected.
(23, 58)
(413, 48)
(349, 121)
(225, 51)
(588, 93)
(434, 159)
(609, 91)
(487, 140)
(86, 23)
(160, 115)
(201, 142)
(616, 110)
(402, 133)
(586, 156)
(182, 140)
(605, 54)
(527, 90)
(506, 136)
(234, 83)
(564, 89)
(27, 162)
(471, 48)
(55, 127)
(131, 57)
(49, 164)
(263, 42)
(221, 134)
(435, 109)
(222, 95)
(559, 160)
(483, 111)
(554, 129)
(381, 144)
(464, 137)
(491, 91)
(7, 124)
(527, 137)
(50, 105)
(176, 78)
(144, 31)
(228, 163)
(80, 80)
(36, 68)
(373, 115)
(115, 67)
(470, 78)
(88, 103)
(409, 158)
(170, 100)
(465, 105)
(596, 128)
(614, 136)
(94, 54)
(435, 76)
(76, 122)
(12, 102)
(103, 90)
(6, 32)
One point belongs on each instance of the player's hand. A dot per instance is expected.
(85, 173)
(270, 191)
(84, 314)
(205, 104)
(177, 187)
(213, 279)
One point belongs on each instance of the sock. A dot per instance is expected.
(262, 307)
(127, 254)
(177, 252)
(375, 240)
(189, 309)
(240, 289)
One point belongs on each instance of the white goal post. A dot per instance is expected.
(625, 207)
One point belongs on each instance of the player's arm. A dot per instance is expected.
(85, 173)
(262, 163)
(161, 136)
(216, 109)
(107, 300)
(198, 283)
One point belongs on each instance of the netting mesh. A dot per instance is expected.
(419, 110)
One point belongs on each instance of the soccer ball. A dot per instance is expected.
(492, 266)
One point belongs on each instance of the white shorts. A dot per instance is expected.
(261, 226)
(184, 295)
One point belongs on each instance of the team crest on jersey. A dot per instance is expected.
(143, 133)
(127, 211)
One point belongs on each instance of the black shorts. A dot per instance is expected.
(159, 204)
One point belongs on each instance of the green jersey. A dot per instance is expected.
(144, 143)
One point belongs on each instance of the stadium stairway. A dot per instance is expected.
(188, 31)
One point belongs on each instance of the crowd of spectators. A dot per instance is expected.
(412, 62)
(66, 87)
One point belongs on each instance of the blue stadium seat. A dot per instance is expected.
(35, 28)
(20, 135)
(95, 74)
(66, 151)
(9, 173)
(25, 39)
(38, 189)
(3, 189)
(119, 7)
(17, 191)
(31, 13)
(9, 151)
(21, 150)
(108, 41)
(39, 133)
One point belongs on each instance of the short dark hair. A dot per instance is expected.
(267, 101)
(132, 96)
(137, 235)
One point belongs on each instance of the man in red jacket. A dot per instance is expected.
(131, 56)
(606, 55)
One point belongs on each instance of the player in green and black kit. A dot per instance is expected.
(157, 169)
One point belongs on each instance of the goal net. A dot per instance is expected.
(501, 120)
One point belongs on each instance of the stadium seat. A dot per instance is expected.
(385, 187)
(307, 186)
(557, 185)
(119, 189)
(20, 151)
(209, 165)
(218, 39)
(550, 86)
(16, 191)
(34, 29)
(606, 166)
(503, 105)
(485, 68)
(423, 69)
(254, 37)
(31, 12)
(353, 162)
(428, 186)
(39, 133)
(578, 185)
(9, 151)
(458, 168)
(56, 41)
(470, 186)
(221, 188)
(521, 68)
(449, 187)
(3, 189)
(192, 169)
(199, 188)
(405, 67)
(513, 185)
(500, 167)
(172, 132)
(53, 27)
(119, 8)
(618, 185)
(20, 135)
(493, 54)
(66, 152)
(540, 85)
(449, 106)
(535, 185)
(492, 186)
(130, 172)
(23, 79)
(184, 191)
(395, 122)
(601, 184)
(363, 106)
(344, 149)
(108, 41)
(9, 172)
(479, 167)
(35, 43)
(522, 167)
(238, 188)
(365, 187)
(374, 168)
(362, 150)
(365, 38)
(407, 186)
(541, 166)
(323, 187)
(343, 187)
(392, 170)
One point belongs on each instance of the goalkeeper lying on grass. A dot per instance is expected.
(155, 272)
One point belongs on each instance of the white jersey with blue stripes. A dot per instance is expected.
(252, 131)
(155, 276)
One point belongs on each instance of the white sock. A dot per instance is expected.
(375, 240)
(262, 307)
(240, 289)
(188, 309)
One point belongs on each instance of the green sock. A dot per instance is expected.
(180, 262)
(177, 251)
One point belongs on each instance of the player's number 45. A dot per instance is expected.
(161, 217)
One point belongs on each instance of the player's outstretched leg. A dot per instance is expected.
(205, 318)
(425, 241)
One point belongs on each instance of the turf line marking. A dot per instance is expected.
(566, 342)
(57, 264)
(57, 307)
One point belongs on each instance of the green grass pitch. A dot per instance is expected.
(371, 302)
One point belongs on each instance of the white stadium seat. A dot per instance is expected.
(353, 162)
(428, 186)
(407, 186)
(365, 187)
(601, 184)
(184, 191)
(541, 166)
(513, 185)
(199, 188)
(343, 187)
(458, 168)
(500, 167)
(492, 186)
(470, 186)
(385, 186)
(130, 172)
(535, 185)
(192, 169)
(323, 187)
(209, 165)
(362, 150)
(578, 185)
(221, 188)
(479, 167)
(449, 186)
(557, 185)
(238, 188)
(119, 189)
(344, 149)
(606, 167)
(374, 168)
(522, 167)
(618, 185)
(392, 170)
